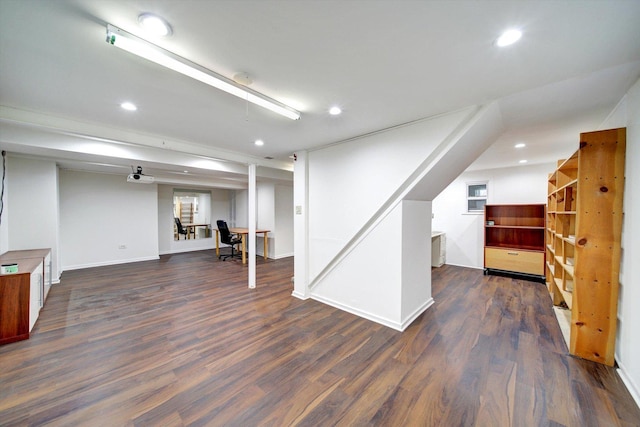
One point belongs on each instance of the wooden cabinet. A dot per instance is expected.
(514, 238)
(584, 223)
(23, 294)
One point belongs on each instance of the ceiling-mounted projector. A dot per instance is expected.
(139, 177)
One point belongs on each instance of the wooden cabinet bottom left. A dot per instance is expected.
(22, 294)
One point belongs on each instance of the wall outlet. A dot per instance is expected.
(122, 247)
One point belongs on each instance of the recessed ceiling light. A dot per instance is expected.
(334, 111)
(154, 24)
(186, 171)
(520, 145)
(128, 106)
(259, 142)
(509, 37)
(523, 161)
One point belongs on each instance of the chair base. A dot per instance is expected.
(234, 254)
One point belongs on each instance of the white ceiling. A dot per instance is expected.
(384, 62)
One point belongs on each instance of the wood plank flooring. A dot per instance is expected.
(182, 341)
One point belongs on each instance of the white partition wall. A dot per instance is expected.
(31, 207)
(384, 278)
(283, 225)
(365, 212)
(348, 183)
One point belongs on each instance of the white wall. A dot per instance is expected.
(416, 260)
(241, 218)
(627, 114)
(401, 288)
(368, 203)
(220, 205)
(464, 231)
(343, 286)
(283, 241)
(31, 209)
(99, 213)
(266, 216)
(363, 205)
(4, 228)
(349, 182)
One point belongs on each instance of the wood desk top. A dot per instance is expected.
(238, 230)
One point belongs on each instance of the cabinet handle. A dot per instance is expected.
(512, 253)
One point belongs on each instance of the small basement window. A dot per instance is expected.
(476, 197)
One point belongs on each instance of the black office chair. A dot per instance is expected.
(230, 239)
(180, 229)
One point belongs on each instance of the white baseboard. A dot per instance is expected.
(369, 316)
(299, 295)
(180, 251)
(398, 326)
(102, 264)
(630, 383)
(280, 256)
(409, 320)
(475, 267)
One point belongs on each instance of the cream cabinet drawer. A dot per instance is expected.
(514, 260)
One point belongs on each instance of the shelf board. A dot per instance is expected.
(565, 212)
(569, 285)
(568, 268)
(570, 163)
(566, 295)
(568, 184)
(519, 227)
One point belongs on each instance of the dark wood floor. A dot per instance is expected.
(182, 341)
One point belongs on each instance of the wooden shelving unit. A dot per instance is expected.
(584, 223)
(514, 239)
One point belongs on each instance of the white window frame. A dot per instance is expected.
(469, 198)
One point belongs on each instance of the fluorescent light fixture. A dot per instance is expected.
(522, 161)
(520, 145)
(259, 142)
(509, 37)
(153, 53)
(334, 111)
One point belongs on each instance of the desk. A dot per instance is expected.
(191, 228)
(243, 232)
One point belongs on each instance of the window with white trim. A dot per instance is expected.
(476, 197)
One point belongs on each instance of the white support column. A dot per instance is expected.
(252, 208)
(301, 225)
